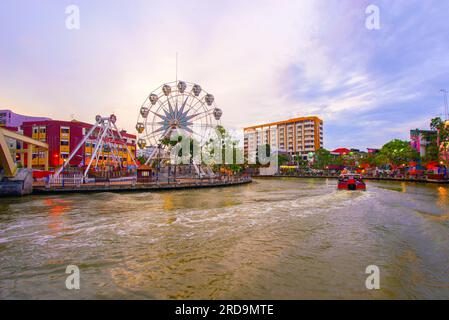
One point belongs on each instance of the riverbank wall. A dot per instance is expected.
(140, 187)
(21, 184)
(365, 178)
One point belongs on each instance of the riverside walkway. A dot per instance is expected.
(403, 179)
(127, 186)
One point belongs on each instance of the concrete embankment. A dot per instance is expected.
(365, 178)
(21, 184)
(138, 187)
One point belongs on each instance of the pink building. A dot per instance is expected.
(421, 139)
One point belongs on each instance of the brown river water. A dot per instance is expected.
(272, 239)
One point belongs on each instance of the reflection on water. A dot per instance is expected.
(271, 239)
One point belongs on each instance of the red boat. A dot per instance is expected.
(351, 181)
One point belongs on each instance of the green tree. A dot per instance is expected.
(439, 125)
(283, 159)
(399, 152)
(168, 142)
(300, 162)
(338, 161)
(432, 153)
(226, 142)
(443, 133)
(323, 158)
(141, 159)
(380, 160)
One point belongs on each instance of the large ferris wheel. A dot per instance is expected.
(180, 108)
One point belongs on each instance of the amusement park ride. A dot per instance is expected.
(105, 135)
(179, 108)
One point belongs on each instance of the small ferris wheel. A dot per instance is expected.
(178, 107)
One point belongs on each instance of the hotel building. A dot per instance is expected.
(298, 136)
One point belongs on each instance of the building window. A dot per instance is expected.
(64, 155)
(64, 142)
(65, 130)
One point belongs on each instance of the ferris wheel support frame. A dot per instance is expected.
(72, 155)
(106, 125)
(121, 137)
(97, 147)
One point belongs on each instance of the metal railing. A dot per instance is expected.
(382, 176)
(77, 182)
(64, 180)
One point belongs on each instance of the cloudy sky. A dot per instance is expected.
(263, 60)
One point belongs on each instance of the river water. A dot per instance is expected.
(272, 239)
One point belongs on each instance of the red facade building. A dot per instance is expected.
(63, 137)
